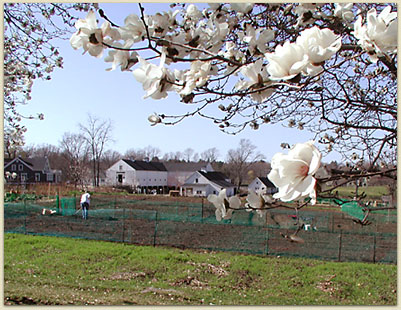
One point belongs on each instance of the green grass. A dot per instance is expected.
(372, 192)
(62, 271)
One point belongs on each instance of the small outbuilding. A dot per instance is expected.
(262, 185)
(202, 184)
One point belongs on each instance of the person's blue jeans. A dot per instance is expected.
(84, 206)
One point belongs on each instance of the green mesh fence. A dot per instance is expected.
(327, 235)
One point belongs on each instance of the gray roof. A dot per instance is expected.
(37, 163)
(185, 166)
(266, 182)
(145, 165)
(34, 163)
(217, 178)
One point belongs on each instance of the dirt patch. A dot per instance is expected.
(190, 281)
(127, 276)
(327, 286)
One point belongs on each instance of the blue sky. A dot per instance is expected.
(84, 86)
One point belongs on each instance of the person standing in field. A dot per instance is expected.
(85, 201)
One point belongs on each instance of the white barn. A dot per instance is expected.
(142, 176)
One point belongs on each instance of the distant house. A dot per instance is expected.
(203, 184)
(262, 185)
(179, 172)
(142, 176)
(29, 171)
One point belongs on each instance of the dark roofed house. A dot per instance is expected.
(202, 183)
(30, 170)
(262, 185)
(179, 172)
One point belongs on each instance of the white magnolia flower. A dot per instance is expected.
(258, 78)
(379, 36)
(193, 13)
(304, 9)
(133, 30)
(344, 11)
(257, 203)
(90, 37)
(121, 58)
(155, 79)
(14, 175)
(224, 206)
(154, 119)
(160, 23)
(319, 44)
(232, 52)
(242, 7)
(197, 76)
(256, 38)
(287, 61)
(293, 173)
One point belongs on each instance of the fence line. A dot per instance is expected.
(334, 238)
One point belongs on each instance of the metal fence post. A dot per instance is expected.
(340, 245)
(267, 242)
(202, 208)
(25, 216)
(155, 233)
(374, 249)
(123, 223)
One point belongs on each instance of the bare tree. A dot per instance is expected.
(110, 157)
(240, 159)
(97, 133)
(151, 152)
(134, 154)
(173, 156)
(210, 155)
(188, 154)
(75, 152)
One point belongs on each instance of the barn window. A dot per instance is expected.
(37, 177)
(196, 180)
(13, 167)
(120, 167)
(20, 167)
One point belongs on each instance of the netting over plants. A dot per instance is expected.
(327, 235)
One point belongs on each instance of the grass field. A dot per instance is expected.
(61, 271)
(372, 192)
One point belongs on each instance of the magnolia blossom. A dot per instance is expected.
(155, 79)
(344, 11)
(160, 23)
(293, 173)
(258, 78)
(224, 206)
(197, 76)
(193, 13)
(154, 119)
(257, 203)
(90, 37)
(121, 58)
(319, 44)
(287, 61)
(256, 39)
(133, 30)
(242, 7)
(379, 36)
